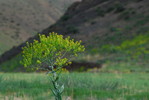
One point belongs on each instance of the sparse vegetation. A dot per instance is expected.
(127, 14)
(100, 12)
(72, 29)
(119, 8)
(135, 48)
(110, 9)
(65, 17)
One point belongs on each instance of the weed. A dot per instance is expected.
(127, 14)
(66, 17)
(110, 9)
(72, 29)
(119, 8)
(100, 11)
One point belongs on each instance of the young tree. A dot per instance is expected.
(54, 51)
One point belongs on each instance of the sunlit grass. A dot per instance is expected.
(79, 86)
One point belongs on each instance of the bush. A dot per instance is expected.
(119, 8)
(72, 29)
(100, 12)
(66, 17)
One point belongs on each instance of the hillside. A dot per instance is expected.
(102, 25)
(104, 22)
(111, 27)
(22, 19)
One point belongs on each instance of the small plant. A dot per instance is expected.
(110, 9)
(127, 14)
(72, 29)
(119, 8)
(66, 17)
(53, 51)
(100, 12)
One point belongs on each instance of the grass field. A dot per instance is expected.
(78, 86)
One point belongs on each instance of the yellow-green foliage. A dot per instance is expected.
(135, 47)
(51, 50)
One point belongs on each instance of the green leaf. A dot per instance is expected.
(61, 89)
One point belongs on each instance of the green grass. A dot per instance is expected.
(14, 64)
(126, 67)
(79, 86)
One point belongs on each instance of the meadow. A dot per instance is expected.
(78, 86)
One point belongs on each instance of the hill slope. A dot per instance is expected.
(22, 19)
(100, 23)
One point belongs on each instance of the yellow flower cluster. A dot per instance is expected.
(52, 50)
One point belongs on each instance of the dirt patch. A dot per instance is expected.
(82, 66)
